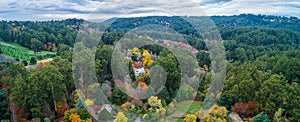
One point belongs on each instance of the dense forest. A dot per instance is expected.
(262, 73)
(291, 23)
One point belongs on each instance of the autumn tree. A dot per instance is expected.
(190, 118)
(217, 113)
(147, 61)
(246, 110)
(121, 117)
(77, 115)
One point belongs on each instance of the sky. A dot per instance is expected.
(40, 10)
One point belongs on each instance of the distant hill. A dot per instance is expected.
(180, 25)
(52, 33)
(291, 23)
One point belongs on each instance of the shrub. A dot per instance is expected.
(33, 61)
(118, 97)
(190, 118)
(246, 110)
(262, 117)
(74, 113)
(121, 117)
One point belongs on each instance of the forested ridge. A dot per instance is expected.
(58, 32)
(262, 81)
(269, 21)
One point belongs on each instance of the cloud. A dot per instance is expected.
(205, 2)
(105, 9)
(273, 7)
(79, 2)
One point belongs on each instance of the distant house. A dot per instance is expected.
(106, 112)
(107, 107)
(138, 68)
(167, 24)
(180, 44)
(139, 71)
(167, 42)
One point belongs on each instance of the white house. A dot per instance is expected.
(139, 71)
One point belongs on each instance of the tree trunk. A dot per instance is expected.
(55, 108)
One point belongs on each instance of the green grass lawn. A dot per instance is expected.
(189, 106)
(22, 53)
(18, 46)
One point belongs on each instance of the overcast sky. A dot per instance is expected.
(105, 9)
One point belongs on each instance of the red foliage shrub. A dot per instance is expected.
(246, 110)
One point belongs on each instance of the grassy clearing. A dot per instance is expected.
(193, 106)
(22, 53)
(14, 45)
(18, 46)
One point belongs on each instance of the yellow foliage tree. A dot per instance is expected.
(219, 112)
(61, 108)
(77, 115)
(154, 102)
(125, 106)
(190, 118)
(89, 120)
(136, 50)
(74, 118)
(206, 118)
(147, 61)
(145, 52)
(144, 76)
(121, 117)
(76, 95)
(89, 102)
(216, 113)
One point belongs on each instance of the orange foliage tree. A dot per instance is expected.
(143, 85)
(61, 108)
(74, 118)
